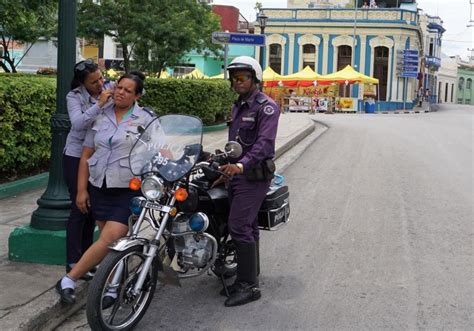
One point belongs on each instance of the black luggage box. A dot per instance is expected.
(275, 209)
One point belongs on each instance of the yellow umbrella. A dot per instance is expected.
(269, 74)
(306, 74)
(349, 74)
(196, 73)
(220, 76)
(164, 74)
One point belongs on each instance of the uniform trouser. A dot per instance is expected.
(80, 227)
(246, 197)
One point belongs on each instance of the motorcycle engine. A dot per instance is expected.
(193, 251)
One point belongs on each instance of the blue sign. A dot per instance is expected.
(238, 38)
(408, 74)
(407, 64)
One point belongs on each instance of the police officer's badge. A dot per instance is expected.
(268, 110)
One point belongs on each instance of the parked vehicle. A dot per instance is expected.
(187, 215)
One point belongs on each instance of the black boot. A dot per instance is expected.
(246, 287)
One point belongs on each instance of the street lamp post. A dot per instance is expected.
(42, 241)
(262, 22)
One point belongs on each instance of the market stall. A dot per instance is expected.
(348, 76)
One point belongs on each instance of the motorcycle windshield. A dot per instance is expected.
(170, 145)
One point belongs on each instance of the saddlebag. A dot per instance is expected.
(275, 209)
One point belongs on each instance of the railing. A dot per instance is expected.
(364, 15)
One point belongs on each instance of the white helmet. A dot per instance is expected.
(246, 63)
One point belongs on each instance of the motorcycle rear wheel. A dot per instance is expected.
(128, 309)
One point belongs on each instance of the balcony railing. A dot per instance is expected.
(370, 15)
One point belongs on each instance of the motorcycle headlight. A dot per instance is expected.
(198, 222)
(152, 187)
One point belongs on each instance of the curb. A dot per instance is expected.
(45, 312)
(293, 141)
(26, 184)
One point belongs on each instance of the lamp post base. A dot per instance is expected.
(26, 244)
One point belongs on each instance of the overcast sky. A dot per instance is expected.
(454, 13)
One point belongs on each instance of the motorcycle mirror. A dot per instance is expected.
(233, 149)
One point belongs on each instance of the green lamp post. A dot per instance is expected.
(43, 241)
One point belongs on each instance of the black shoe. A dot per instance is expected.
(108, 301)
(244, 293)
(231, 289)
(67, 294)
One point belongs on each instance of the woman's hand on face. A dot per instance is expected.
(83, 202)
(104, 97)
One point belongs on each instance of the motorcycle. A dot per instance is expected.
(188, 218)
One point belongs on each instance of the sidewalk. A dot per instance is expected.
(28, 299)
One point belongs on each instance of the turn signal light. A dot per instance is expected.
(181, 194)
(135, 184)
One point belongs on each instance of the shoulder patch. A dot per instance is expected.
(268, 110)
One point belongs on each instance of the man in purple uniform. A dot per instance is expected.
(254, 125)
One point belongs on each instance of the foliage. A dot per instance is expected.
(175, 28)
(27, 103)
(24, 22)
(211, 100)
(155, 32)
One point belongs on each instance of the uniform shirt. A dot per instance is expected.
(82, 109)
(112, 143)
(254, 125)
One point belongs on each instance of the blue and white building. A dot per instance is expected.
(328, 35)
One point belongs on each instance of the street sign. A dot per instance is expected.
(407, 63)
(238, 38)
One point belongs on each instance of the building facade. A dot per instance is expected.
(328, 39)
(447, 80)
(432, 31)
(465, 94)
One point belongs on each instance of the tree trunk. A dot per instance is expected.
(126, 58)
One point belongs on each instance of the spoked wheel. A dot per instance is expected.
(118, 274)
(226, 263)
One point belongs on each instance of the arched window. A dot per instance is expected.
(309, 52)
(468, 84)
(461, 83)
(344, 57)
(381, 69)
(275, 57)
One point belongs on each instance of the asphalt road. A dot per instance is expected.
(381, 235)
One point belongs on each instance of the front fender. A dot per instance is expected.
(125, 243)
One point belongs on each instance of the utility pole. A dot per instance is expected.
(43, 241)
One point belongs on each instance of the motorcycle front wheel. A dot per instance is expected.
(117, 275)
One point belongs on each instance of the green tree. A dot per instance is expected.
(155, 33)
(24, 22)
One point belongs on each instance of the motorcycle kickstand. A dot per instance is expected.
(227, 294)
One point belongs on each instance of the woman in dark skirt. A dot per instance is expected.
(89, 94)
(104, 169)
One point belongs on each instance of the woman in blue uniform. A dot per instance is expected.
(84, 103)
(104, 168)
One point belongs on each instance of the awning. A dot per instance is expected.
(196, 73)
(347, 74)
